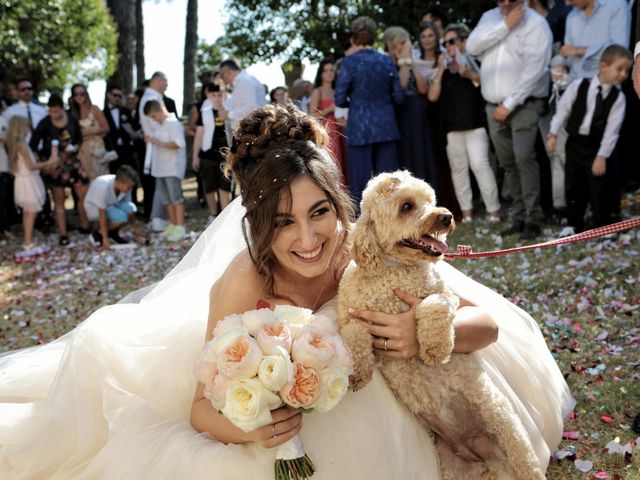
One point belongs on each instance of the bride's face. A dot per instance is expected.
(306, 236)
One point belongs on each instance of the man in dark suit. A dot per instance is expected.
(119, 136)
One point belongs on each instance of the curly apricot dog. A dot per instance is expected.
(396, 242)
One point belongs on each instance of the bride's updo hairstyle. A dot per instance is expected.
(273, 146)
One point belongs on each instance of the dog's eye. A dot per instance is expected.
(407, 207)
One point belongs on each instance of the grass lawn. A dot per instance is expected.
(585, 297)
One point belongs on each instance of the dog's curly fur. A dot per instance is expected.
(445, 391)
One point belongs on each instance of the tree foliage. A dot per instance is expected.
(269, 29)
(55, 42)
(208, 57)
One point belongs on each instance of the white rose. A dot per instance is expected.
(248, 404)
(276, 370)
(334, 386)
(254, 319)
(324, 324)
(294, 317)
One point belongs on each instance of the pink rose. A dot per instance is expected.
(323, 324)
(238, 355)
(305, 388)
(272, 335)
(254, 319)
(342, 359)
(216, 391)
(313, 348)
(226, 323)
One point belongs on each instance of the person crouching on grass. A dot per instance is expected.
(168, 165)
(108, 202)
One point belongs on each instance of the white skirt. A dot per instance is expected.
(28, 192)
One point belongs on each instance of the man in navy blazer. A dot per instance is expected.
(368, 85)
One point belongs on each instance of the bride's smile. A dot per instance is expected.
(306, 230)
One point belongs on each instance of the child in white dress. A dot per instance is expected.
(29, 193)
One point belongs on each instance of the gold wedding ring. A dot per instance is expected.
(273, 430)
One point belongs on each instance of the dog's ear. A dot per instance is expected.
(365, 250)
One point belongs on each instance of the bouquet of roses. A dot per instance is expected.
(261, 360)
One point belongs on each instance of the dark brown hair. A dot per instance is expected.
(273, 146)
(75, 106)
(614, 52)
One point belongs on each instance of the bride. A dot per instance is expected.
(114, 398)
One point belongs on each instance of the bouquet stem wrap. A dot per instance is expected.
(291, 461)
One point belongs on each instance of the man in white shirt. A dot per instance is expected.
(513, 43)
(248, 93)
(157, 86)
(25, 106)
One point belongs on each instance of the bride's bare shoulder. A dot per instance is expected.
(238, 289)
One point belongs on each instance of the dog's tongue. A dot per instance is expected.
(435, 244)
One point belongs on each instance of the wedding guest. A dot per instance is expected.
(322, 106)
(7, 207)
(109, 205)
(513, 43)
(25, 106)
(209, 149)
(248, 93)
(591, 26)
(168, 164)
(92, 153)
(369, 85)
(435, 14)
(414, 149)
(428, 51)
(29, 192)
(636, 69)
(279, 96)
(302, 94)
(456, 86)
(118, 138)
(155, 91)
(59, 136)
(593, 111)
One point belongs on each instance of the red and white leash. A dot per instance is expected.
(465, 251)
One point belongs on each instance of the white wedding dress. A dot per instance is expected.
(112, 398)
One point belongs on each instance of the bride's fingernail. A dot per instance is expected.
(352, 311)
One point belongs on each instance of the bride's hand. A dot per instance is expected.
(286, 424)
(398, 329)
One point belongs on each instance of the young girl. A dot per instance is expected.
(28, 188)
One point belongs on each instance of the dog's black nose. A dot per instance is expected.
(445, 219)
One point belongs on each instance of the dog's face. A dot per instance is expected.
(401, 221)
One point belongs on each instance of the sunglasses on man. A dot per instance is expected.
(451, 41)
(116, 95)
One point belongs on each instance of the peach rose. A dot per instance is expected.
(313, 348)
(216, 391)
(238, 355)
(273, 335)
(305, 388)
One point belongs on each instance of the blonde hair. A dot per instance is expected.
(395, 35)
(17, 132)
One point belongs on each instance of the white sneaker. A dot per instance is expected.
(168, 230)
(177, 234)
(158, 224)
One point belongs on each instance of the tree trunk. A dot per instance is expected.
(139, 44)
(190, 48)
(123, 13)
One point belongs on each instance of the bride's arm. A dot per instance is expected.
(474, 328)
(231, 295)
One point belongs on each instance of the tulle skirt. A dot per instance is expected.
(112, 400)
(28, 192)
